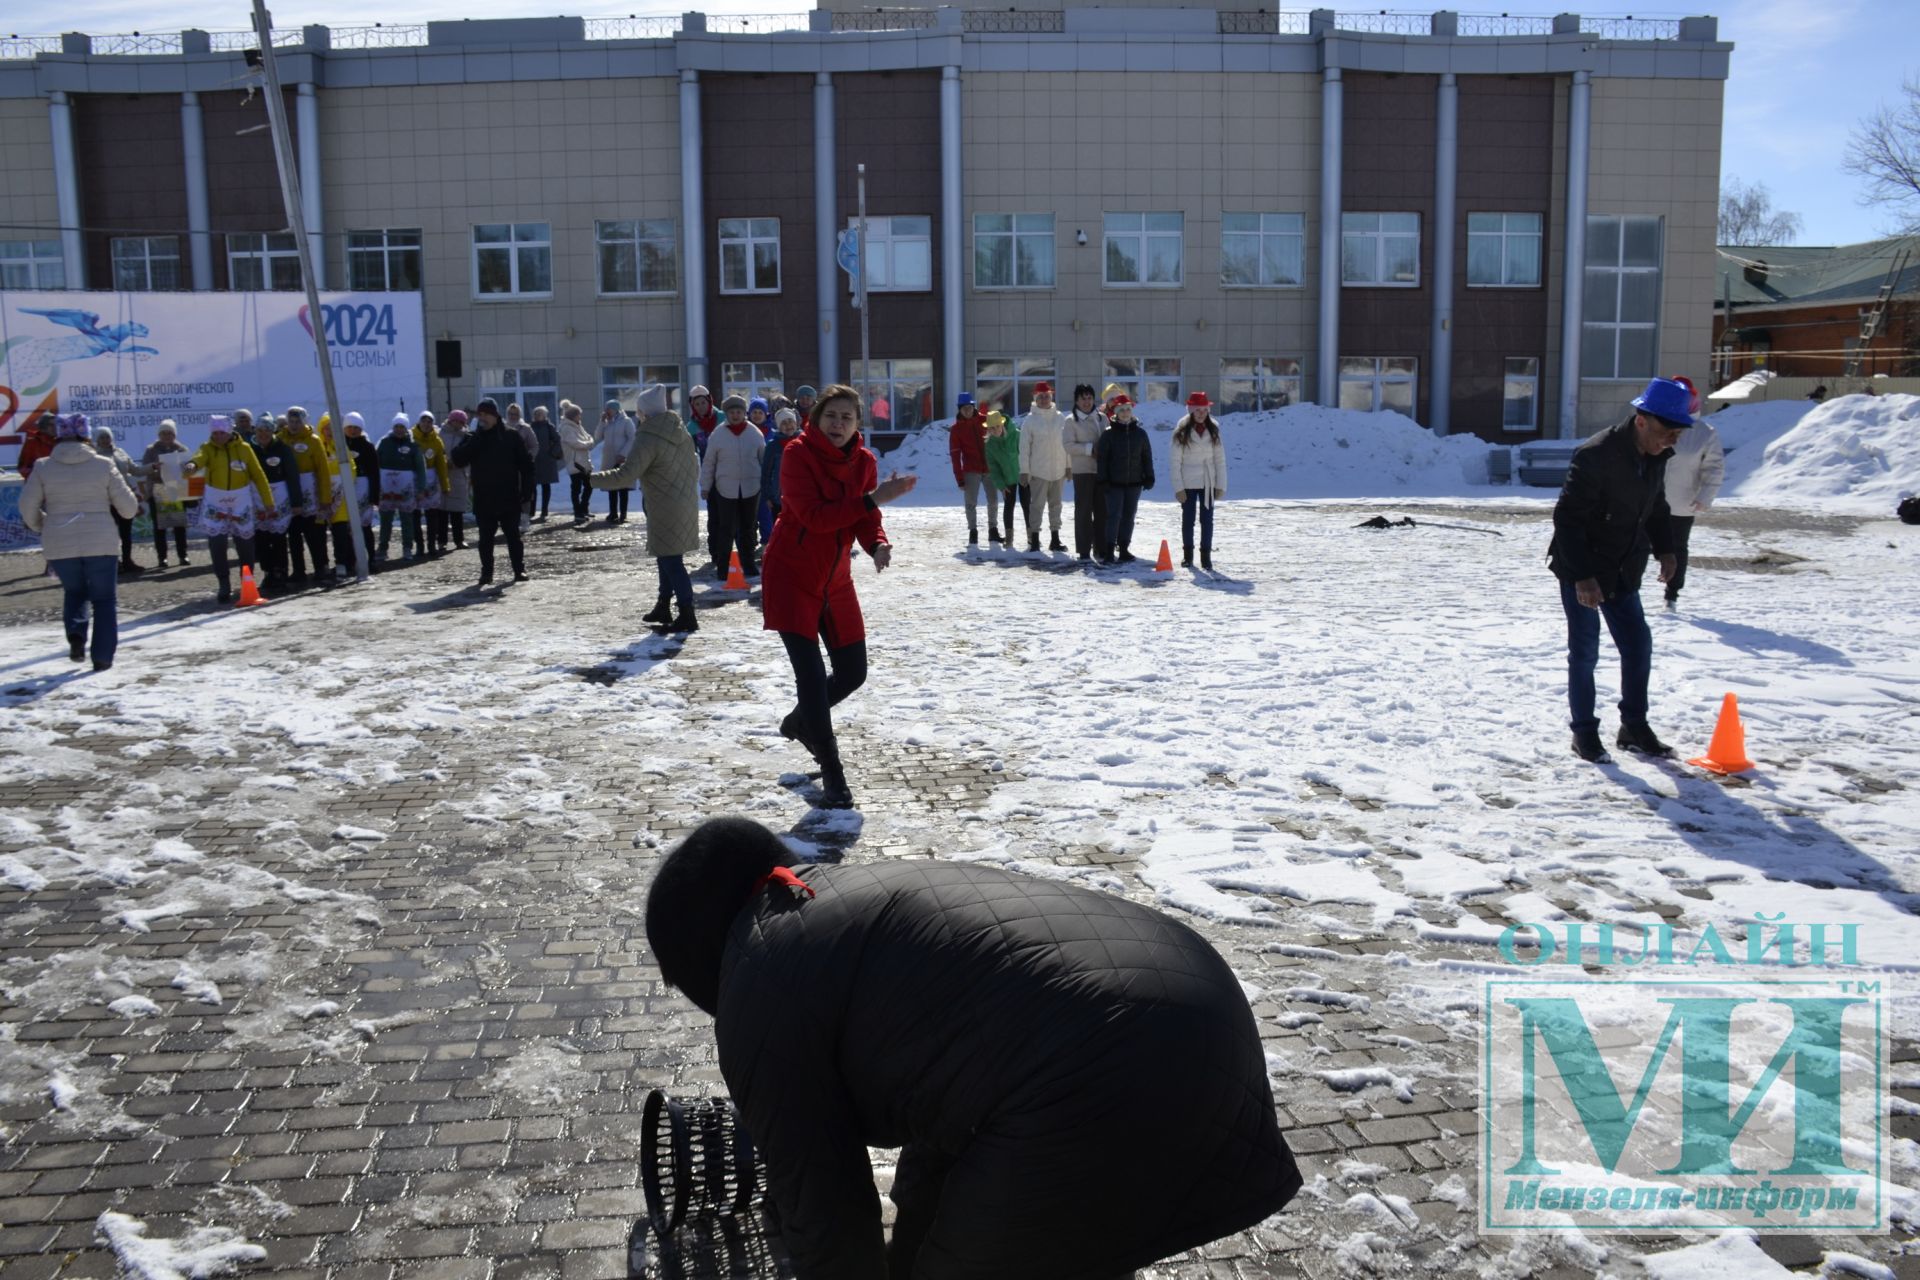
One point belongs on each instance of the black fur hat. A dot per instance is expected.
(696, 894)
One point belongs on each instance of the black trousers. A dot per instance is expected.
(818, 692)
(1089, 513)
(495, 524)
(734, 524)
(307, 535)
(617, 500)
(160, 535)
(546, 497)
(436, 529)
(1682, 534)
(272, 548)
(126, 537)
(222, 567)
(1006, 516)
(347, 549)
(581, 493)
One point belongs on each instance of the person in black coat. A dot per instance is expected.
(1124, 462)
(1076, 1081)
(1612, 510)
(502, 482)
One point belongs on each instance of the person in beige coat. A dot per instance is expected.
(71, 500)
(663, 459)
(1199, 475)
(1044, 463)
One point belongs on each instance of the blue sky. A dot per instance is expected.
(1803, 74)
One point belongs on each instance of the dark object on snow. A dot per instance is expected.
(1407, 522)
(1909, 510)
(1075, 1081)
(704, 1187)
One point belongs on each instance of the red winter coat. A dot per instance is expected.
(806, 571)
(967, 444)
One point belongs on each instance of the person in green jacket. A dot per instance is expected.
(1003, 466)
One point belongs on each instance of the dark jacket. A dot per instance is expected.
(1076, 1079)
(366, 460)
(1124, 455)
(400, 453)
(770, 466)
(1613, 506)
(547, 451)
(501, 471)
(282, 466)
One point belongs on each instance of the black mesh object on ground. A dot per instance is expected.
(706, 1211)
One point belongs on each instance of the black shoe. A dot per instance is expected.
(541, 518)
(792, 730)
(1206, 561)
(834, 795)
(993, 535)
(486, 580)
(1083, 557)
(184, 562)
(1033, 542)
(1640, 738)
(77, 647)
(973, 537)
(1186, 557)
(102, 666)
(296, 577)
(226, 595)
(1126, 556)
(1056, 545)
(1673, 602)
(1587, 745)
(519, 575)
(682, 624)
(662, 612)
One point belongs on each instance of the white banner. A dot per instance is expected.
(128, 360)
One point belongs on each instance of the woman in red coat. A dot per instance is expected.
(829, 499)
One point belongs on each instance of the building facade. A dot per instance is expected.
(1376, 211)
(1836, 312)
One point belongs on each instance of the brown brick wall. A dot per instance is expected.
(132, 174)
(243, 182)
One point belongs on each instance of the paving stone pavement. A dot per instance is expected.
(435, 1067)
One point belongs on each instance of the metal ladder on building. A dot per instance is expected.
(1874, 315)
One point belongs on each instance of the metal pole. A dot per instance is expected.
(694, 232)
(953, 288)
(199, 221)
(866, 355)
(1445, 182)
(290, 195)
(1327, 365)
(1573, 286)
(826, 222)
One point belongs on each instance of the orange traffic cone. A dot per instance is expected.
(1165, 563)
(1727, 753)
(736, 580)
(249, 594)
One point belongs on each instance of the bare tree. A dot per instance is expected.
(1884, 149)
(1747, 215)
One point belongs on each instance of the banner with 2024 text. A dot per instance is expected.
(129, 360)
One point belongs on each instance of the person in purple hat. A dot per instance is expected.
(1611, 514)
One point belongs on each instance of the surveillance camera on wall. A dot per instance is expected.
(1080, 237)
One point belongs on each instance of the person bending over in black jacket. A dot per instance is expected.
(1075, 1081)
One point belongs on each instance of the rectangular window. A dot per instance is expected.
(622, 382)
(1013, 251)
(1373, 384)
(1145, 378)
(1621, 323)
(1007, 383)
(752, 378)
(1258, 382)
(749, 255)
(143, 264)
(898, 393)
(513, 260)
(637, 256)
(1380, 249)
(1503, 250)
(1262, 250)
(1145, 250)
(384, 260)
(527, 388)
(32, 264)
(899, 255)
(1521, 395)
(262, 261)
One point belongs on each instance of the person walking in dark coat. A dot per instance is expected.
(271, 533)
(547, 454)
(1075, 1081)
(1612, 509)
(1124, 467)
(502, 482)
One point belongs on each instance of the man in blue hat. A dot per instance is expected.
(1611, 513)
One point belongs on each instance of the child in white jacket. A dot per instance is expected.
(1199, 475)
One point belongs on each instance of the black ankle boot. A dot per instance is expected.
(662, 611)
(681, 624)
(1206, 560)
(77, 645)
(834, 792)
(1186, 557)
(794, 731)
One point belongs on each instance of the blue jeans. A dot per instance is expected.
(1201, 500)
(90, 580)
(1123, 503)
(1631, 636)
(675, 581)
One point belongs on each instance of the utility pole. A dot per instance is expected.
(297, 222)
(866, 356)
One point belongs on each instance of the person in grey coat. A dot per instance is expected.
(663, 459)
(546, 459)
(72, 500)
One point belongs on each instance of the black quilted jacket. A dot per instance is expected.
(1077, 1080)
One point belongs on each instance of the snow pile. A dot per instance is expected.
(202, 1252)
(1852, 454)
(1734, 1253)
(1302, 451)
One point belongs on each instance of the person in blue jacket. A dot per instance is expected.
(786, 426)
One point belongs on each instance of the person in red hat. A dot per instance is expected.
(1199, 476)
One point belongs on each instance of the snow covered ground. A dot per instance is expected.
(1350, 738)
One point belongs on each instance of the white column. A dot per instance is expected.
(199, 220)
(66, 188)
(1446, 170)
(826, 228)
(693, 233)
(1332, 107)
(307, 107)
(952, 278)
(1574, 269)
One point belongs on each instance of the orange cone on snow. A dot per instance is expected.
(249, 594)
(1165, 563)
(1727, 753)
(736, 580)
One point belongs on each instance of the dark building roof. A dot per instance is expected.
(1802, 275)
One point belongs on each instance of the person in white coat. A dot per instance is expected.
(615, 437)
(576, 458)
(1199, 476)
(730, 477)
(1695, 471)
(1043, 465)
